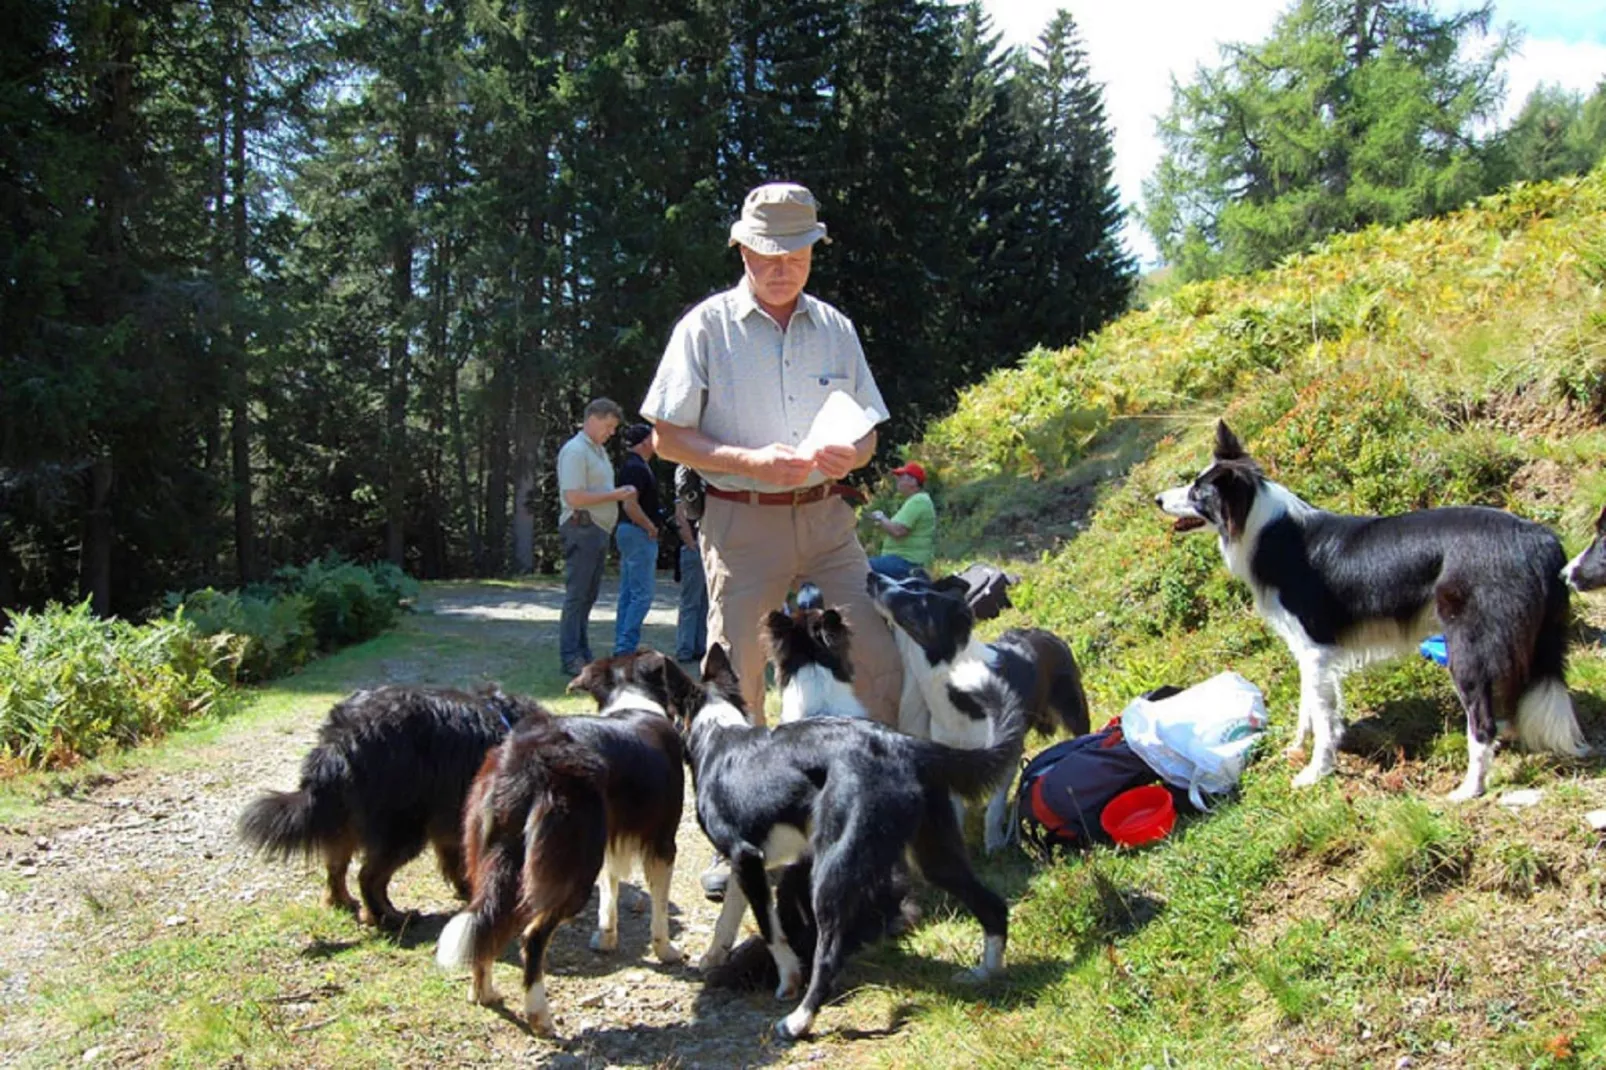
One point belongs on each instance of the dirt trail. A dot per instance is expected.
(160, 838)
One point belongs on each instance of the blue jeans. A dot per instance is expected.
(638, 567)
(585, 549)
(892, 566)
(691, 629)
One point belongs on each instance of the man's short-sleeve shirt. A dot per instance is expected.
(584, 465)
(732, 373)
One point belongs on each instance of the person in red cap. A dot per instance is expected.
(912, 533)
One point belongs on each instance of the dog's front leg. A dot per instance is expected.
(1319, 701)
(726, 928)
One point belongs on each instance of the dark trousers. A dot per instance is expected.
(585, 551)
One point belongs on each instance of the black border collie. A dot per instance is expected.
(944, 663)
(810, 646)
(563, 804)
(388, 774)
(1343, 591)
(1587, 571)
(853, 797)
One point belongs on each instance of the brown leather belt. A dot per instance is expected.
(801, 496)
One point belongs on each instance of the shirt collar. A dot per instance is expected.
(747, 304)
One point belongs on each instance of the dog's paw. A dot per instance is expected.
(790, 986)
(602, 940)
(794, 1025)
(542, 1024)
(1310, 775)
(974, 976)
(667, 952)
(713, 958)
(486, 997)
(1465, 793)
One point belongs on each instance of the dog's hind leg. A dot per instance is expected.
(537, 1011)
(996, 825)
(614, 868)
(658, 872)
(378, 866)
(449, 856)
(1320, 714)
(1477, 690)
(939, 851)
(337, 861)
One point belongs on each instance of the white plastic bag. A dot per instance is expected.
(1199, 738)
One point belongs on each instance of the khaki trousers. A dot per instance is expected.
(755, 554)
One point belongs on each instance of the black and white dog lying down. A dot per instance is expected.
(944, 664)
(853, 797)
(1587, 571)
(1343, 591)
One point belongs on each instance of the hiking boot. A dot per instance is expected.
(715, 878)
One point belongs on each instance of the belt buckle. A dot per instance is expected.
(798, 495)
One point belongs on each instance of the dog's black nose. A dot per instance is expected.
(1158, 502)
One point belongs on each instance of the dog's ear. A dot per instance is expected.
(681, 690)
(951, 585)
(775, 626)
(717, 663)
(834, 626)
(1600, 522)
(1228, 448)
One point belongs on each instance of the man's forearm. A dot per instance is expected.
(583, 499)
(690, 447)
(638, 515)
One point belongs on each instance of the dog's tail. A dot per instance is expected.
(1545, 717)
(971, 773)
(288, 823)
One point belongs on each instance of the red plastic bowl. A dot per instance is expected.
(1139, 815)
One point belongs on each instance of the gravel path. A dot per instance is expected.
(160, 837)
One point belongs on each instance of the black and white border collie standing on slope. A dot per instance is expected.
(1587, 571)
(944, 664)
(854, 797)
(810, 649)
(1342, 591)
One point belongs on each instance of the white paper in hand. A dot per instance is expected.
(841, 421)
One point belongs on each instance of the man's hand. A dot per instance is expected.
(878, 515)
(836, 461)
(624, 493)
(780, 465)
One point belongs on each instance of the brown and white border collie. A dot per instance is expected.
(1342, 591)
(560, 806)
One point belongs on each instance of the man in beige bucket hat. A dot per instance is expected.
(741, 381)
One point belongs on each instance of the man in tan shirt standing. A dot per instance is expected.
(587, 512)
(743, 377)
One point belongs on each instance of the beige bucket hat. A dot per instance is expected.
(777, 218)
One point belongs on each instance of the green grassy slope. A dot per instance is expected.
(1452, 361)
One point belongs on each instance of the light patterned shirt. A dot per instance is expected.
(732, 373)
(584, 465)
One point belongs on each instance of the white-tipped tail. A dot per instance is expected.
(1545, 720)
(455, 949)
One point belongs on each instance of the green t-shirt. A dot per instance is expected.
(920, 517)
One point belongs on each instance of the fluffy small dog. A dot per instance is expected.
(809, 646)
(561, 803)
(1587, 571)
(944, 662)
(1343, 591)
(388, 774)
(853, 797)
